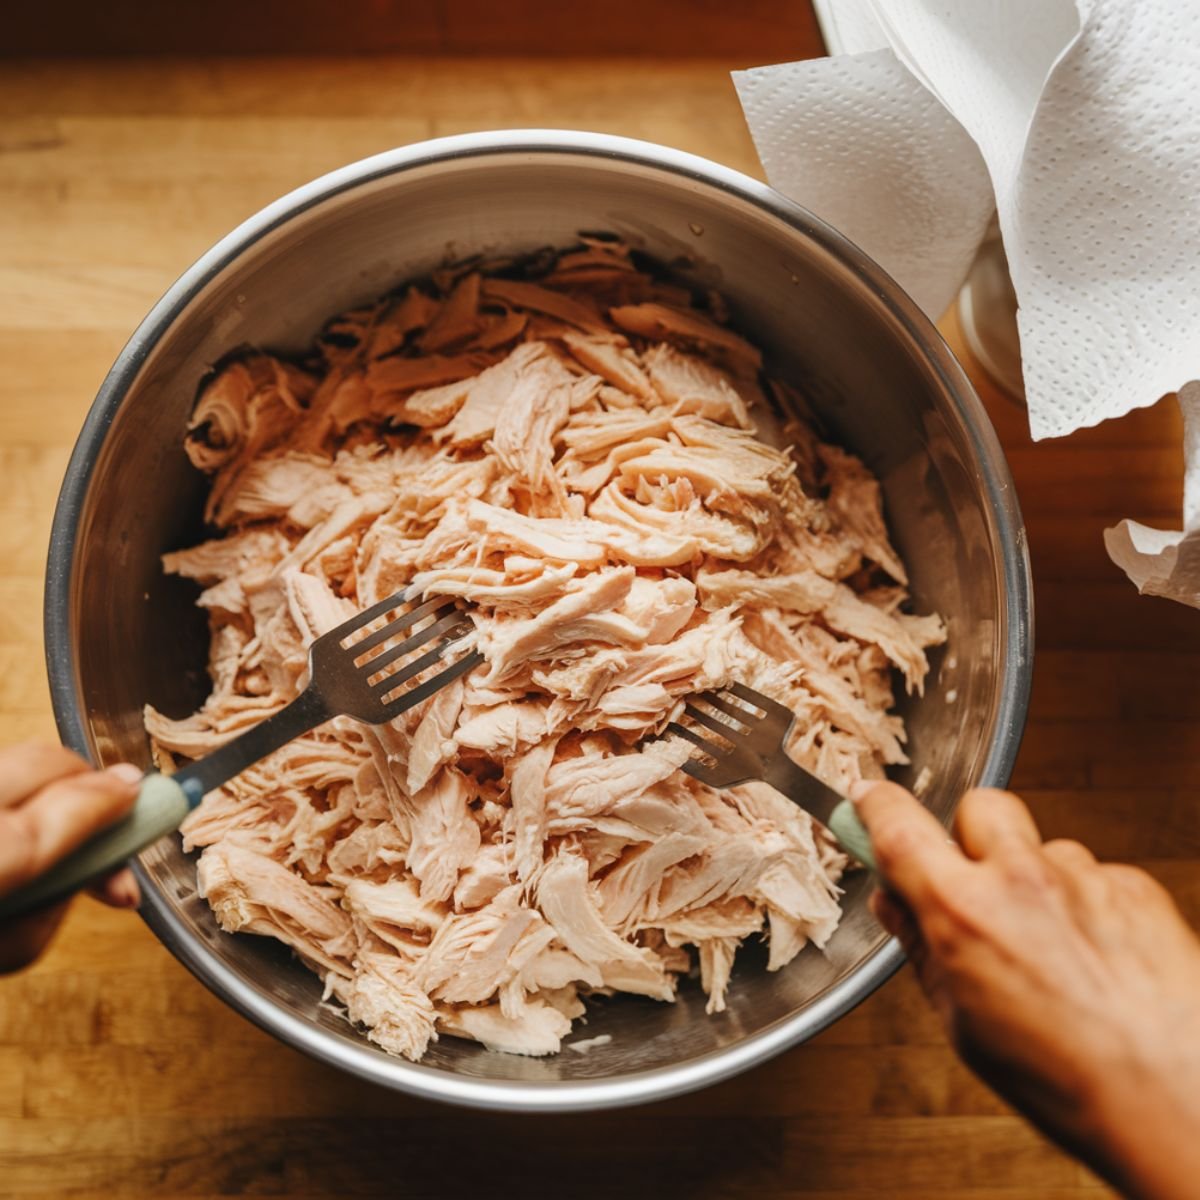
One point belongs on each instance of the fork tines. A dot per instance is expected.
(440, 622)
(400, 697)
(728, 724)
(410, 612)
(731, 722)
(386, 654)
(698, 740)
(382, 661)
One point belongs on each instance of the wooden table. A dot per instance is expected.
(121, 1076)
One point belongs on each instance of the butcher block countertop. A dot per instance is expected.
(120, 1076)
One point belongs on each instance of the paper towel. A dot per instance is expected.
(860, 142)
(1159, 562)
(855, 28)
(1087, 116)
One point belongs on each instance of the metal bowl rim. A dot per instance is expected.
(436, 1083)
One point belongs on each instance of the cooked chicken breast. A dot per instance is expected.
(576, 455)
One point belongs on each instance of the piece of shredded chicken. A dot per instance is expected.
(573, 449)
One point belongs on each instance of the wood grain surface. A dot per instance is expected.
(122, 1077)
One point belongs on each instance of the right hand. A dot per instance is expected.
(51, 802)
(1070, 986)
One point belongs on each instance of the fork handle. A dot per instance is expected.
(162, 803)
(160, 806)
(305, 712)
(831, 808)
(852, 834)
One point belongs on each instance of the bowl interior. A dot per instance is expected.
(136, 637)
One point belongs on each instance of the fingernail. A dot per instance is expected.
(126, 773)
(860, 788)
(128, 896)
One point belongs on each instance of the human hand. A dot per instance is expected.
(51, 801)
(1069, 986)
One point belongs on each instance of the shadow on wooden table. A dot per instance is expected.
(750, 32)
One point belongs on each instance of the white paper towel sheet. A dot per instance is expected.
(1162, 562)
(860, 142)
(1080, 121)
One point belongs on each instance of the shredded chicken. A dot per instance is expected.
(574, 451)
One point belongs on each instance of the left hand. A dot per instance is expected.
(51, 802)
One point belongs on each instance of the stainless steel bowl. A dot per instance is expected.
(119, 634)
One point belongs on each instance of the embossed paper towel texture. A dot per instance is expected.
(1087, 117)
(860, 142)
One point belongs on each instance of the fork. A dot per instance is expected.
(369, 677)
(752, 731)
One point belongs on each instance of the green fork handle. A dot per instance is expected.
(830, 807)
(844, 824)
(160, 807)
